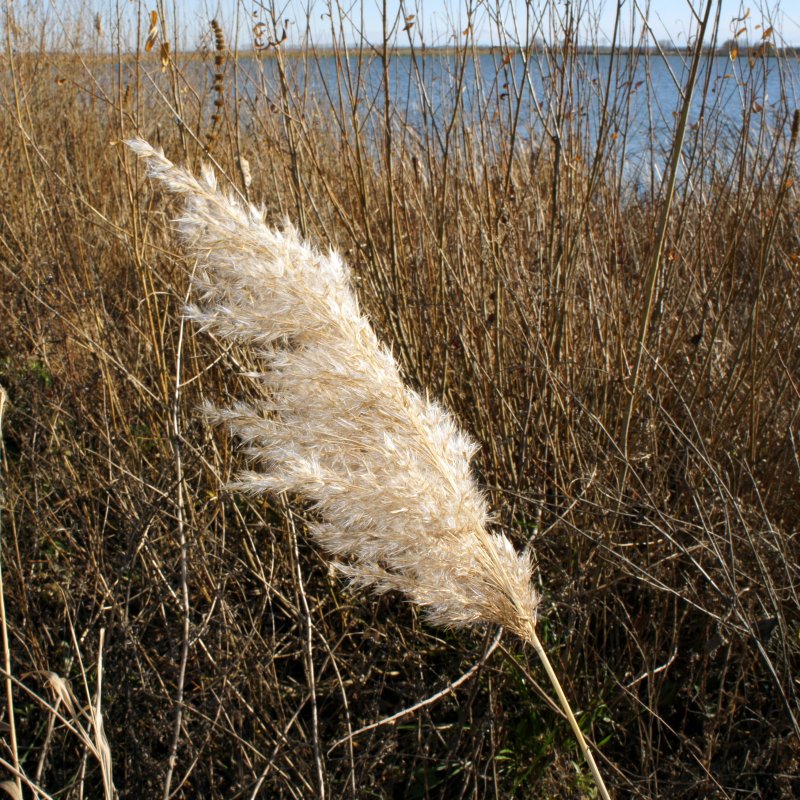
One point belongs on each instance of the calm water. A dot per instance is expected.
(732, 97)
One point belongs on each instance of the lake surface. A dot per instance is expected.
(630, 102)
(638, 95)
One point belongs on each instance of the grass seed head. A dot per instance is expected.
(386, 470)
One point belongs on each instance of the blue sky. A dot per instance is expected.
(439, 19)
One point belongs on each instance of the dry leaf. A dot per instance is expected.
(11, 789)
(244, 167)
(164, 55)
(259, 32)
(152, 34)
(61, 690)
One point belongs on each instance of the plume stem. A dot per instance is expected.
(534, 640)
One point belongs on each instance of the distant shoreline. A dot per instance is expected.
(743, 51)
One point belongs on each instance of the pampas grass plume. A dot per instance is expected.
(385, 470)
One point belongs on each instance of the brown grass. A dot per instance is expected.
(511, 281)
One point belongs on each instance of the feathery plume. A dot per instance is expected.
(385, 470)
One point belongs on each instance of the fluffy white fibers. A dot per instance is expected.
(386, 471)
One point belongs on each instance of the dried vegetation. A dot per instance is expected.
(635, 397)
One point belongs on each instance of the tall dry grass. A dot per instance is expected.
(521, 281)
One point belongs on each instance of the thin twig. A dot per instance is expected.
(428, 701)
(179, 517)
(308, 652)
(4, 625)
(661, 235)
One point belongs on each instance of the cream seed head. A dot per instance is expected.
(386, 470)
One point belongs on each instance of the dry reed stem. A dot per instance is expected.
(182, 543)
(12, 731)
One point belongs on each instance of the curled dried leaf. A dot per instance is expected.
(259, 34)
(244, 168)
(152, 34)
(62, 691)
